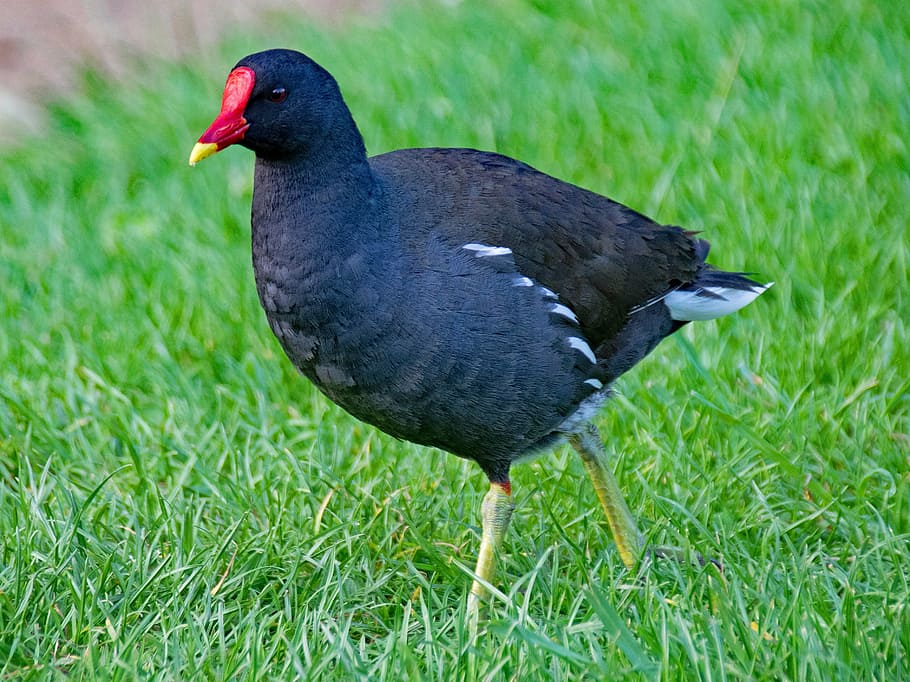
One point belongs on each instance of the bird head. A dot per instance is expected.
(279, 104)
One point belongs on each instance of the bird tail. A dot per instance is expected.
(714, 293)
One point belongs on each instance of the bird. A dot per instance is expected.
(455, 298)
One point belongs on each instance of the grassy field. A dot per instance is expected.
(177, 503)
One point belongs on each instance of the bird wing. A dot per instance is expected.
(603, 259)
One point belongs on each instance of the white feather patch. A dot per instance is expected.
(485, 251)
(690, 306)
(549, 293)
(597, 384)
(519, 281)
(560, 309)
(581, 345)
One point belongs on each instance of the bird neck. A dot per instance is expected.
(318, 234)
(310, 214)
(313, 193)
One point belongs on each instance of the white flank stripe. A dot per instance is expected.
(689, 306)
(522, 282)
(484, 250)
(582, 345)
(595, 383)
(560, 309)
(548, 293)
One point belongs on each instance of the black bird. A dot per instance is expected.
(451, 297)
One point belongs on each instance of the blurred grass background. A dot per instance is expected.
(176, 503)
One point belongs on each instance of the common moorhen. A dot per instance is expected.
(453, 297)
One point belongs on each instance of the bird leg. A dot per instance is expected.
(593, 455)
(496, 511)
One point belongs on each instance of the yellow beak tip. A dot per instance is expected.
(202, 150)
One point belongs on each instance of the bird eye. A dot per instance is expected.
(278, 95)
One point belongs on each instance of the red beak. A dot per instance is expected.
(229, 126)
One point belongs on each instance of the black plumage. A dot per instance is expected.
(451, 297)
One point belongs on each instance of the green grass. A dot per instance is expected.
(176, 503)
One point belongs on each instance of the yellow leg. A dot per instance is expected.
(628, 540)
(496, 511)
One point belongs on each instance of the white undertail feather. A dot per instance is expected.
(710, 302)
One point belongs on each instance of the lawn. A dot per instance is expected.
(177, 503)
